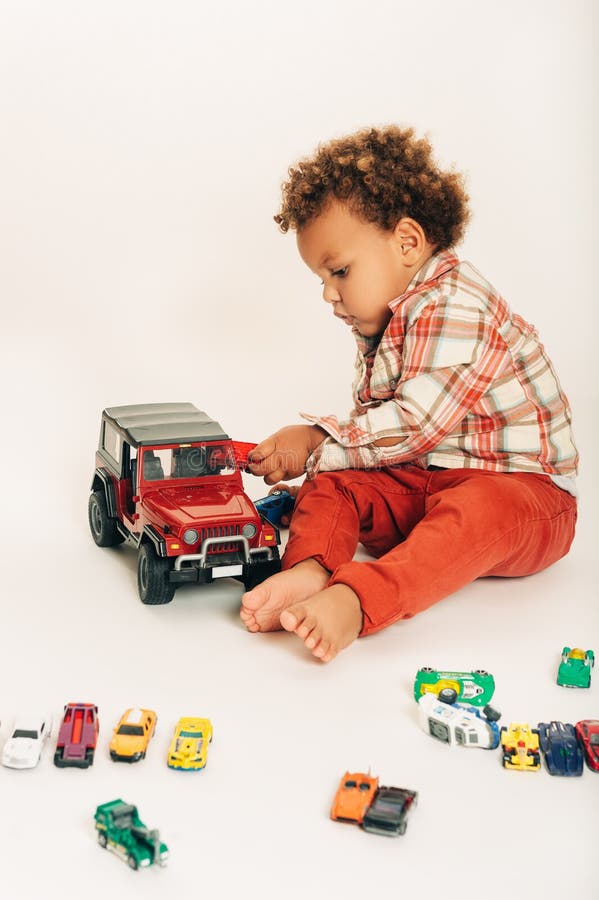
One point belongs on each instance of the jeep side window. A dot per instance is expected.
(111, 442)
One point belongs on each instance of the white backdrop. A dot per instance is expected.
(143, 145)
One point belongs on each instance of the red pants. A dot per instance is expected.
(430, 531)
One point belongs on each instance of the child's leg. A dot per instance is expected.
(476, 523)
(333, 512)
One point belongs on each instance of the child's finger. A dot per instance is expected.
(262, 451)
(275, 476)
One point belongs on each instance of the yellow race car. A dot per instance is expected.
(189, 746)
(520, 745)
(132, 735)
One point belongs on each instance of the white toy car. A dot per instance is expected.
(24, 747)
(458, 724)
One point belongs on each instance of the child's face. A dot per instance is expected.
(362, 267)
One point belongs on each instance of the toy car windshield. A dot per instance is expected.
(133, 730)
(164, 464)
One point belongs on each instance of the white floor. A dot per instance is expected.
(255, 822)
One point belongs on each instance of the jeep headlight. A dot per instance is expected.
(190, 536)
(249, 530)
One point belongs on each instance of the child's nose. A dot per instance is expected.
(330, 294)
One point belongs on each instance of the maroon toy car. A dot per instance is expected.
(77, 736)
(587, 732)
(168, 481)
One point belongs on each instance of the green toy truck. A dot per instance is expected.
(121, 830)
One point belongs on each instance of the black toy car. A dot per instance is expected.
(388, 811)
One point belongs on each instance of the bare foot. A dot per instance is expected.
(326, 622)
(262, 607)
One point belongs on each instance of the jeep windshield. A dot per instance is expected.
(187, 461)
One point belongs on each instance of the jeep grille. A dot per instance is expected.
(220, 531)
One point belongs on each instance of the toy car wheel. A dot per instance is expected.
(131, 862)
(102, 839)
(89, 756)
(480, 672)
(492, 714)
(426, 669)
(447, 695)
(58, 756)
(152, 577)
(103, 528)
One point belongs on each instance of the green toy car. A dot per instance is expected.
(475, 687)
(575, 668)
(121, 830)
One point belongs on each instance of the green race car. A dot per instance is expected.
(575, 668)
(475, 687)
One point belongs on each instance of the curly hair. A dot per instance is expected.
(383, 174)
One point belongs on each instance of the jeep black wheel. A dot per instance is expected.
(152, 577)
(102, 839)
(103, 528)
(131, 861)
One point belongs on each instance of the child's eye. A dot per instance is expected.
(340, 273)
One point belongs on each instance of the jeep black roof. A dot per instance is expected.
(164, 423)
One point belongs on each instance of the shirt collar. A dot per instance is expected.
(431, 271)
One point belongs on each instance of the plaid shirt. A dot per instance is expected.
(458, 380)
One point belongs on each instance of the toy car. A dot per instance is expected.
(275, 506)
(354, 795)
(520, 746)
(131, 736)
(121, 830)
(388, 811)
(587, 732)
(189, 746)
(475, 687)
(563, 755)
(24, 747)
(168, 481)
(77, 736)
(457, 724)
(575, 668)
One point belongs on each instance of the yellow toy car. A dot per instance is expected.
(132, 735)
(189, 746)
(520, 745)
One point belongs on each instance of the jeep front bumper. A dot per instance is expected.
(203, 568)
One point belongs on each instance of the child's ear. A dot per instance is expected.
(410, 239)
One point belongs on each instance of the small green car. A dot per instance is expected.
(575, 668)
(121, 830)
(475, 687)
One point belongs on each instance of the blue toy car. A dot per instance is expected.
(563, 754)
(275, 506)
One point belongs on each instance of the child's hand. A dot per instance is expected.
(284, 453)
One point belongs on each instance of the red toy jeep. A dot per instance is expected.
(168, 481)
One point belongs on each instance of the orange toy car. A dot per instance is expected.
(354, 795)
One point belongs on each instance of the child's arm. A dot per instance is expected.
(284, 454)
(451, 354)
